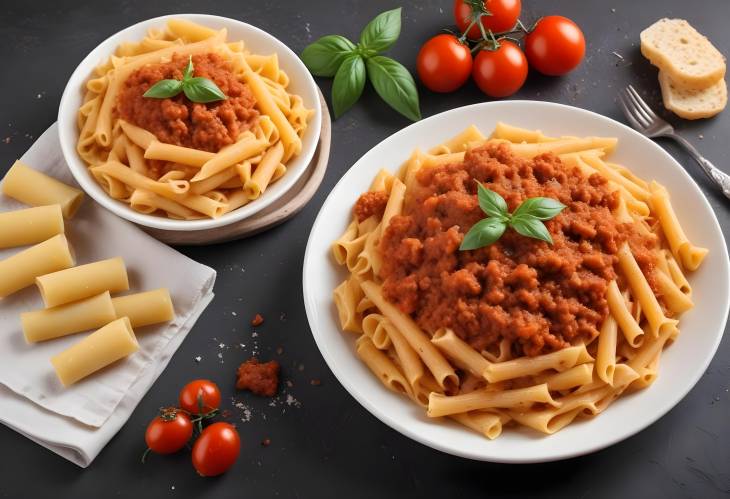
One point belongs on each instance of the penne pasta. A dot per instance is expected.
(461, 353)
(177, 154)
(262, 176)
(629, 325)
(246, 147)
(690, 255)
(436, 363)
(444, 405)
(216, 153)
(526, 366)
(538, 336)
(485, 423)
(642, 291)
(381, 366)
(606, 355)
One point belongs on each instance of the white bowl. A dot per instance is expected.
(256, 40)
(681, 365)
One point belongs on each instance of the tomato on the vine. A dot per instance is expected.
(503, 15)
(216, 449)
(168, 432)
(555, 46)
(500, 72)
(444, 63)
(200, 390)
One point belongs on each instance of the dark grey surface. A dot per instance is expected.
(330, 446)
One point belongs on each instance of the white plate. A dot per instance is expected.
(258, 42)
(682, 364)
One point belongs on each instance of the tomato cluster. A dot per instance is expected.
(553, 46)
(217, 446)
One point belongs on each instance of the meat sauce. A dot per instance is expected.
(540, 297)
(261, 378)
(180, 121)
(369, 204)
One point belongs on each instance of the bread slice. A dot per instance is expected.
(690, 103)
(684, 54)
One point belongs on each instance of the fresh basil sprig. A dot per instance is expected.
(351, 65)
(525, 220)
(197, 89)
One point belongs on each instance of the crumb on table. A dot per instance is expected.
(259, 378)
(257, 320)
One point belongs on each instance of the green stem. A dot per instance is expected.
(481, 28)
(465, 35)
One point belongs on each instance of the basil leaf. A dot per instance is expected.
(483, 233)
(188, 73)
(382, 31)
(202, 90)
(348, 85)
(164, 89)
(325, 56)
(540, 208)
(491, 203)
(530, 226)
(394, 85)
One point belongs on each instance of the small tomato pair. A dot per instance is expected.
(445, 63)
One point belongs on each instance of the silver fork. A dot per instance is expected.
(645, 121)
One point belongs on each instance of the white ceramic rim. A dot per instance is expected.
(68, 135)
(367, 401)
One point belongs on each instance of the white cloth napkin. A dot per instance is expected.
(77, 422)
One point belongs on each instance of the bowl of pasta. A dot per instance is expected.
(189, 122)
(511, 282)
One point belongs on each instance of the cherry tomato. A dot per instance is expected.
(204, 388)
(504, 14)
(216, 449)
(168, 432)
(444, 63)
(501, 72)
(556, 45)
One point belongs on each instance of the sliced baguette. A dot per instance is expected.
(683, 53)
(693, 104)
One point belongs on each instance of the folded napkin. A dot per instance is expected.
(77, 422)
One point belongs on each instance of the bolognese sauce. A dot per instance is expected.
(371, 203)
(180, 121)
(540, 297)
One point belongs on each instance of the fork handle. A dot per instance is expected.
(718, 177)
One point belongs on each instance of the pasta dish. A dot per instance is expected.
(575, 285)
(188, 125)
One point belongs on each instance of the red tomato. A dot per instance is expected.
(504, 14)
(216, 449)
(444, 63)
(501, 72)
(556, 45)
(204, 388)
(169, 432)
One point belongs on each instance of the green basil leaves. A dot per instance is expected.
(325, 56)
(382, 31)
(526, 220)
(197, 89)
(164, 89)
(351, 65)
(394, 85)
(349, 83)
